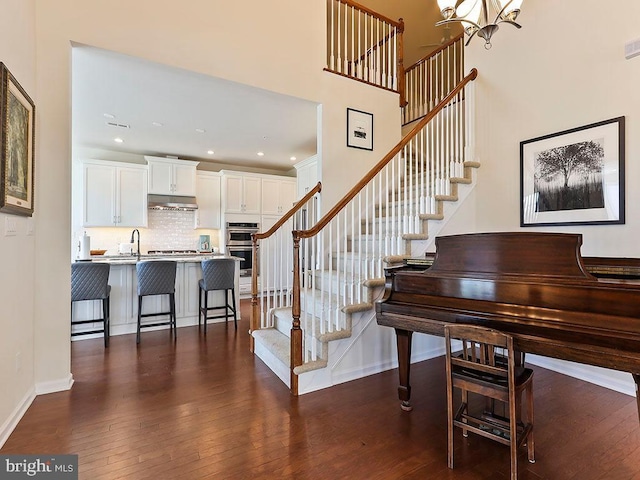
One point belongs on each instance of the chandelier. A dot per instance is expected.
(475, 14)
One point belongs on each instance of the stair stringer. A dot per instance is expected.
(418, 247)
(346, 359)
(370, 349)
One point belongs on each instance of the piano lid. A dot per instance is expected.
(549, 255)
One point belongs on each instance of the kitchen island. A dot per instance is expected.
(124, 297)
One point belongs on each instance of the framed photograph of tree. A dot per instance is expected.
(574, 177)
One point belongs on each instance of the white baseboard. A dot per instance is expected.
(53, 386)
(10, 424)
(613, 380)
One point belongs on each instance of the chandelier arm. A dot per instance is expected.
(470, 37)
(501, 12)
(511, 22)
(461, 20)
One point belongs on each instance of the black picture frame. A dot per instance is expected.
(17, 143)
(574, 177)
(359, 129)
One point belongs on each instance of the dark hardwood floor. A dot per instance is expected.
(204, 407)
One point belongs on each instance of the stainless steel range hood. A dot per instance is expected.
(171, 202)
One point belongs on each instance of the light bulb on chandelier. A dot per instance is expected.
(474, 16)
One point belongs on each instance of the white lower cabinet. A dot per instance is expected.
(189, 293)
(123, 304)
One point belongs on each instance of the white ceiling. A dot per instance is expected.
(238, 120)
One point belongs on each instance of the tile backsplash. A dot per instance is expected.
(166, 229)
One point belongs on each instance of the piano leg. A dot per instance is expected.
(403, 340)
(636, 378)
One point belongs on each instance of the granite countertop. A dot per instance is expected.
(132, 259)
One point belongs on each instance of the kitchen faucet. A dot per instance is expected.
(131, 241)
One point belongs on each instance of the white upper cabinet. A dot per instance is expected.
(208, 197)
(307, 172)
(168, 176)
(114, 194)
(278, 195)
(241, 193)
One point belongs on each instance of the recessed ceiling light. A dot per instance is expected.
(200, 130)
(261, 154)
(210, 152)
(293, 159)
(118, 140)
(108, 115)
(157, 124)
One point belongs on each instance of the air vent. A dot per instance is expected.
(632, 49)
(119, 125)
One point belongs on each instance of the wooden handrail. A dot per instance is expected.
(362, 8)
(435, 52)
(323, 222)
(292, 211)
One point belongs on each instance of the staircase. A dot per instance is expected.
(313, 318)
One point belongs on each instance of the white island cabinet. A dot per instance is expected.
(124, 297)
(114, 194)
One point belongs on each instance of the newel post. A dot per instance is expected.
(254, 324)
(401, 81)
(296, 331)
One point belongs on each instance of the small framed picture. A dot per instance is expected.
(17, 114)
(574, 177)
(359, 129)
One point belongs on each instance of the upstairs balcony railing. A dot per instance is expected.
(432, 77)
(365, 46)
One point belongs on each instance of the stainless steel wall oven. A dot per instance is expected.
(238, 244)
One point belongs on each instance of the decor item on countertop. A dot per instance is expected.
(17, 140)
(574, 177)
(204, 243)
(125, 248)
(97, 252)
(359, 129)
(84, 252)
(474, 16)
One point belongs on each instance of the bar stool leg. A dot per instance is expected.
(139, 313)
(233, 303)
(199, 305)
(205, 312)
(105, 320)
(172, 302)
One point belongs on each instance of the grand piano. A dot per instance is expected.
(535, 286)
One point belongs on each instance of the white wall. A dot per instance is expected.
(279, 46)
(550, 76)
(17, 52)
(565, 68)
